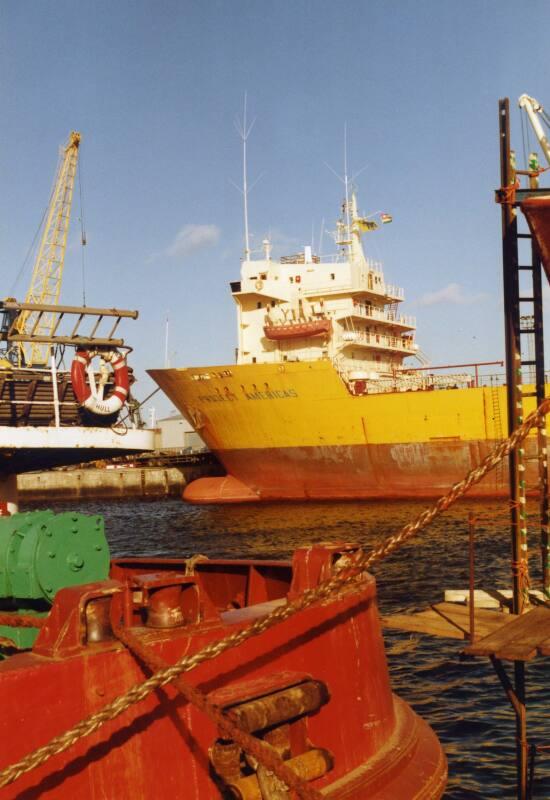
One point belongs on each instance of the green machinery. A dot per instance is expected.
(42, 552)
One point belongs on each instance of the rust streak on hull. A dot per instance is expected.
(400, 471)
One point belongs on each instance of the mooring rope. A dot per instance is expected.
(21, 621)
(226, 722)
(351, 576)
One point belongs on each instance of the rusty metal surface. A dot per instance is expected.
(160, 748)
(386, 471)
(309, 766)
(281, 706)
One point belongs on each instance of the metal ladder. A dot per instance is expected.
(522, 300)
(498, 433)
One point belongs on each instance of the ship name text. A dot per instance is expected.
(269, 394)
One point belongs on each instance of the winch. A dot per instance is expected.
(42, 552)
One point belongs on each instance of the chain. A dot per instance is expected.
(351, 577)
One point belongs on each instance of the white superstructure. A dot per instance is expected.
(303, 308)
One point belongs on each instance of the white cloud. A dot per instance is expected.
(190, 239)
(452, 293)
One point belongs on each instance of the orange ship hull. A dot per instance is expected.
(346, 473)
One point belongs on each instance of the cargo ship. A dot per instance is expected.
(325, 401)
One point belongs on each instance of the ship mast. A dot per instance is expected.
(346, 186)
(244, 133)
(350, 228)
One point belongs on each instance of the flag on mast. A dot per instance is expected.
(385, 218)
(365, 224)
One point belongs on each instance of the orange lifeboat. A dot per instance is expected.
(298, 330)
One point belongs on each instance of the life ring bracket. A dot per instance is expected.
(84, 388)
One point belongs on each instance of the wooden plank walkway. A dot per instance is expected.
(520, 640)
(429, 622)
(450, 620)
(485, 620)
(506, 636)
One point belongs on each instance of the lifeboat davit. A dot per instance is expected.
(298, 330)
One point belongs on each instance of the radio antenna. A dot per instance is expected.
(346, 179)
(166, 358)
(243, 129)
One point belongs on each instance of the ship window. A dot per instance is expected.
(285, 358)
(253, 359)
(258, 304)
(332, 276)
(291, 280)
(263, 276)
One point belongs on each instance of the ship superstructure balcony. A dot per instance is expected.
(390, 318)
(378, 341)
(380, 292)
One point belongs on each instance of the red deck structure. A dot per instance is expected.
(320, 677)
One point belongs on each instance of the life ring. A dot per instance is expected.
(259, 285)
(86, 396)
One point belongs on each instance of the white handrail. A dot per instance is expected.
(55, 393)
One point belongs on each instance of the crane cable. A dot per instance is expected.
(82, 230)
(40, 227)
(524, 137)
(30, 250)
(545, 117)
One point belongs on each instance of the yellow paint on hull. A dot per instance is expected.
(306, 404)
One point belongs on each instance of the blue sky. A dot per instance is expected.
(155, 88)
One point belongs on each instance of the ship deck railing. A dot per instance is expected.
(388, 292)
(38, 397)
(376, 341)
(362, 310)
(41, 393)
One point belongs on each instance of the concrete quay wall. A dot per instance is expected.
(106, 483)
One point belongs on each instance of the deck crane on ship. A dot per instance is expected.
(51, 416)
(534, 111)
(47, 275)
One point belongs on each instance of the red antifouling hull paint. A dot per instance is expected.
(353, 472)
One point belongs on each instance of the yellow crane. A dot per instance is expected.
(47, 273)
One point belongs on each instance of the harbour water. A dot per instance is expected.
(462, 699)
